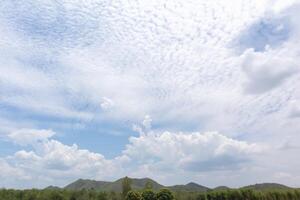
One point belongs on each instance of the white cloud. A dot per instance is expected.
(294, 109)
(106, 103)
(170, 60)
(190, 151)
(267, 70)
(51, 162)
(30, 136)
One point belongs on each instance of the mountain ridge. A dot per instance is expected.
(140, 183)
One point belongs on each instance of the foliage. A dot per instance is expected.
(148, 195)
(164, 194)
(126, 186)
(230, 194)
(132, 195)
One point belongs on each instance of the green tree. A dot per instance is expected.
(55, 196)
(148, 195)
(102, 196)
(126, 186)
(164, 194)
(201, 196)
(132, 195)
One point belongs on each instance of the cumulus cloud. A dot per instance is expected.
(52, 162)
(267, 70)
(190, 151)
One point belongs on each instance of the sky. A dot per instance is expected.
(178, 91)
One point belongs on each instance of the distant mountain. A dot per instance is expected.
(112, 186)
(136, 184)
(266, 186)
(140, 183)
(86, 184)
(221, 188)
(190, 187)
(51, 187)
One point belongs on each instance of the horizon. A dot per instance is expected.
(175, 184)
(179, 91)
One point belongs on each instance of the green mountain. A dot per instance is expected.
(136, 184)
(51, 187)
(116, 186)
(190, 187)
(267, 186)
(86, 184)
(219, 188)
(140, 183)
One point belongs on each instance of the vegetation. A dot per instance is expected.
(164, 194)
(148, 194)
(116, 186)
(147, 189)
(126, 187)
(133, 195)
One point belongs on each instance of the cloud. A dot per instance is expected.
(30, 136)
(112, 63)
(52, 162)
(143, 68)
(190, 151)
(294, 111)
(106, 103)
(266, 71)
(267, 32)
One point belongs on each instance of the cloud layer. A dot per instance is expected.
(74, 67)
(49, 159)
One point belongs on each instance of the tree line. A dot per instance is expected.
(147, 193)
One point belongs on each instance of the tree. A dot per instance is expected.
(148, 195)
(102, 196)
(126, 186)
(201, 196)
(55, 196)
(132, 195)
(164, 194)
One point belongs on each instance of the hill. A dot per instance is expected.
(116, 186)
(51, 187)
(136, 184)
(140, 183)
(86, 184)
(190, 187)
(219, 188)
(267, 186)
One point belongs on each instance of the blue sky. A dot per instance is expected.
(176, 91)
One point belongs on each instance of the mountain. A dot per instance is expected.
(51, 187)
(266, 186)
(86, 184)
(221, 188)
(136, 184)
(140, 183)
(116, 186)
(190, 187)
